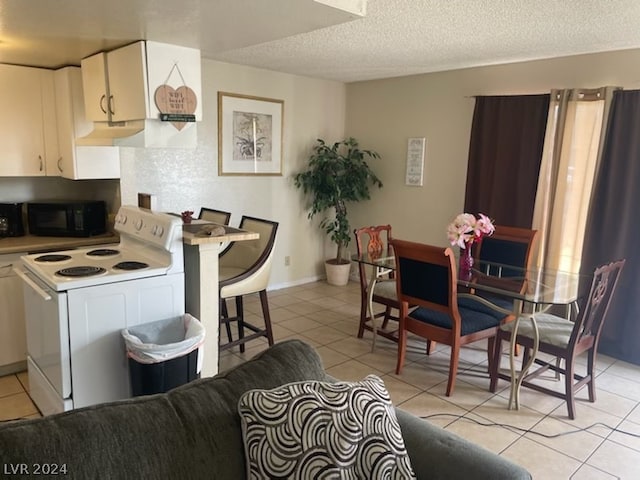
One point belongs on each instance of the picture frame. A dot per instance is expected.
(249, 135)
(414, 175)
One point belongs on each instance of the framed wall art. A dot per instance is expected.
(415, 161)
(249, 135)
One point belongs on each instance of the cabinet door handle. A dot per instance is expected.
(102, 99)
(45, 296)
(111, 109)
(41, 163)
(59, 164)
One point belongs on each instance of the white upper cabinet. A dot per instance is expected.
(147, 94)
(115, 84)
(28, 135)
(94, 81)
(79, 162)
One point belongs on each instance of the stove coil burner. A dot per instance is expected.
(130, 265)
(103, 252)
(52, 258)
(80, 271)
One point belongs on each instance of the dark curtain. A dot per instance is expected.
(505, 151)
(613, 226)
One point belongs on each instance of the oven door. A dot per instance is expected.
(47, 332)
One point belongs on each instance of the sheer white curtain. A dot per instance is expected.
(569, 159)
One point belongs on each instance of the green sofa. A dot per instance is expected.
(194, 432)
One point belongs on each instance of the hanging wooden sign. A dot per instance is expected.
(177, 106)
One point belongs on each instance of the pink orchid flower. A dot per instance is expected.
(466, 229)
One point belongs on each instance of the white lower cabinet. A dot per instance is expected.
(13, 343)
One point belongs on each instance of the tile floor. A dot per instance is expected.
(327, 318)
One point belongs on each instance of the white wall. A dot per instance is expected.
(382, 114)
(187, 179)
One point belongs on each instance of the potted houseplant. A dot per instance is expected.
(337, 174)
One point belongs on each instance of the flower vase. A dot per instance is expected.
(466, 261)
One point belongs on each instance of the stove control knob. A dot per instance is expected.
(120, 218)
(139, 224)
(160, 231)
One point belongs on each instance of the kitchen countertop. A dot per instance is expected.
(34, 244)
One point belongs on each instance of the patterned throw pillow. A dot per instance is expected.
(320, 430)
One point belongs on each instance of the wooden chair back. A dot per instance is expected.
(588, 325)
(507, 246)
(426, 276)
(374, 241)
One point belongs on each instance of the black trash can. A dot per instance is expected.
(163, 354)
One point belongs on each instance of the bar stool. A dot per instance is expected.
(245, 268)
(215, 216)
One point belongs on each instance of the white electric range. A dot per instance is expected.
(78, 301)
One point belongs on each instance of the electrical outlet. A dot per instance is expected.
(287, 261)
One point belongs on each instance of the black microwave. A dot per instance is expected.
(67, 218)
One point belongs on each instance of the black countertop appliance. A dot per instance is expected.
(11, 220)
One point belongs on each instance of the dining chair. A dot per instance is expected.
(215, 216)
(564, 340)
(508, 246)
(426, 277)
(244, 268)
(375, 241)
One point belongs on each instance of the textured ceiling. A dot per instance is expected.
(404, 37)
(395, 38)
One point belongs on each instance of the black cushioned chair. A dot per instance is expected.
(508, 246)
(426, 276)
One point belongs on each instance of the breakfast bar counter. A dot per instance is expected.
(203, 242)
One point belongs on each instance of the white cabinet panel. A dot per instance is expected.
(79, 162)
(28, 137)
(115, 84)
(127, 71)
(13, 344)
(94, 80)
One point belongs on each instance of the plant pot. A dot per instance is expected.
(337, 273)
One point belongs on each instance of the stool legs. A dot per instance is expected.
(254, 331)
(224, 314)
(240, 315)
(266, 315)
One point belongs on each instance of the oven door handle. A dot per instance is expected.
(45, 296)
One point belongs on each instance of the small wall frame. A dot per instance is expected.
(415, 161)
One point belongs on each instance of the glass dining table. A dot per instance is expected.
(530, 291)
